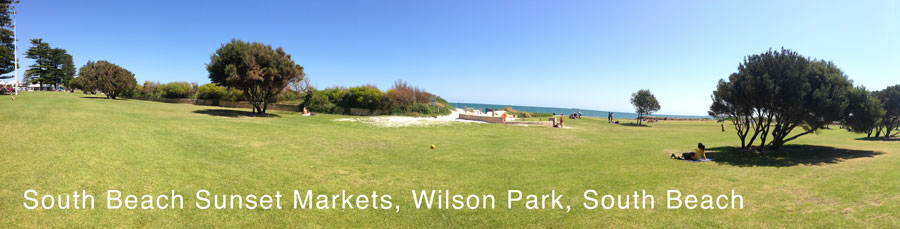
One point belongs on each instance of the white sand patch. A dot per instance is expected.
(401, 121)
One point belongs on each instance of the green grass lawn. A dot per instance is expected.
(57, 143)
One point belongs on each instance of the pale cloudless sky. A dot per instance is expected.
(570, 54)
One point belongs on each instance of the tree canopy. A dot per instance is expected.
(644, 103)
(51, 65)
(775, 92)
(7, 42)
(107, 77)
(256, 69)
(890, 102)
(864, 112)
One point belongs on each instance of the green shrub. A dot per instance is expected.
(289, 97)
(316, 101)
(337, 100)
(420, 109)
(363, 97)
(211, 91)
(525, 114)
(176, 90)
(335, 95)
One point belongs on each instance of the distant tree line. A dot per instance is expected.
(260, 75)
(778, 96)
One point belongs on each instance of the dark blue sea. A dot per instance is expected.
(585, 112)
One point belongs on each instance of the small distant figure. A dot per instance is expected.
(610, 117)
(306, 112)
(561, 118)
(723, 127)
(698, 154)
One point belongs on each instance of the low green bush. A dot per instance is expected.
(211, 91)
(176, 90)
(318, 102)
(420, 109)
(291, 97)
(337, 100)
(363, 97)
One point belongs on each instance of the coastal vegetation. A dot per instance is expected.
(401, 99)
(525, 114)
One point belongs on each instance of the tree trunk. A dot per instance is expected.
(887, 132)
(878, 132)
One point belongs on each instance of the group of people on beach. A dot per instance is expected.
(575, 115)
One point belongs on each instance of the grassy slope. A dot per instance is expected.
(57, 143)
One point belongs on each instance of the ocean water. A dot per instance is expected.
(567, 111)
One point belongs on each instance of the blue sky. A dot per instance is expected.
(570, 54)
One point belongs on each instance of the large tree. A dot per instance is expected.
(256, 69)
(890, 102)
(644, 103)
(51, 65)
(41, 70)
(63, 67)
(735, 105)
(7, 42)
(107, 77)
(778, 91)
(864, 113)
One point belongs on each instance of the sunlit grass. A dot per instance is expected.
(57, 143)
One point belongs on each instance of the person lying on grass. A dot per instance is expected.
(699, 153)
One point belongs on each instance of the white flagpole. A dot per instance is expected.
(16, 54)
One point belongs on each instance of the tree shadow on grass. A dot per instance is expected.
(232, 113)
(791, 155)
(880, 139)
(101, 97)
